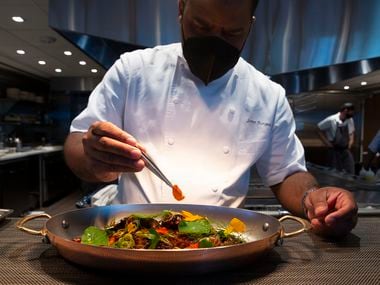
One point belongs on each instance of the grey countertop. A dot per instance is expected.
(11, 154)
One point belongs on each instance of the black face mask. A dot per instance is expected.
(209, 57)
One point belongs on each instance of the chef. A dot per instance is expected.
(205, 116)
(337, 132)
(373, 150)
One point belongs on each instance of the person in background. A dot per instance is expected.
(337, 132)
(205, 116)
(373, 149)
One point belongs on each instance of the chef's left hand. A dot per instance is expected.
(332, 211)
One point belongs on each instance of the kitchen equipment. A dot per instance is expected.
(151, 165)
(262, 234)
(13, 93)
(5, 213)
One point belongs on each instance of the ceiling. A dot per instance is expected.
(372, 80)
(39, 43)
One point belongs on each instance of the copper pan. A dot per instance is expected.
(263, 233)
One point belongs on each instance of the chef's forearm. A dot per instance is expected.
(75, 157)
(324, 138)
(292, 189)
(351, 141)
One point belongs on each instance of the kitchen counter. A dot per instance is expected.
(304, 259)
(36, 158)
(7, 155)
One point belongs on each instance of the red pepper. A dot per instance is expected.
(162, 231)
(111, 240)
(194, 245)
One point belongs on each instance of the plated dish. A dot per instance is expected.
(165, 230)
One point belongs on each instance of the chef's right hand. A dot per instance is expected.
(109, 151)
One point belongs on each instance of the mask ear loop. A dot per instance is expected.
(253, 20)
(180, 16)
(181, 10)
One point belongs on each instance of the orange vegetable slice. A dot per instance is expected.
(189, 217)
(235, 225)
(177, 193)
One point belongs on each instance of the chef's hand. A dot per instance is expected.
(332, 211)
(109, 151)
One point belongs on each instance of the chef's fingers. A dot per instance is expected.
(140, 147)
(106, 144)
(109, 144)
(316, 204)
(103, 167)
(343, 207)
(107, 129)
(339, 228)
(118, 161)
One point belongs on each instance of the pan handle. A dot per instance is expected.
(21, 222)
(304, 223)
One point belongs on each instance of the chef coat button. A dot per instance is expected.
(215, 189)
(226, 150)
(170, 141)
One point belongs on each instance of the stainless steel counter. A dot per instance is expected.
(10, 154)
(41, 152)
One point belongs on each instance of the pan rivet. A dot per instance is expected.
(265, 227)
(65, 224)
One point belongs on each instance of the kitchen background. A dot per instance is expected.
(55, 52)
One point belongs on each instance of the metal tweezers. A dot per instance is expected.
(151, 165)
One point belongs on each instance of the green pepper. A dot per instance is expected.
(205, 243)
(144, 216)
(126, 241)
(94, 236)
(154, 238)
(198, 227)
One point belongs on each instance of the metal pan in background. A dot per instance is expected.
(5, 213)
(262, 234)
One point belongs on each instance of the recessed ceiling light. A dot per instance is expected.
(363, 83)
(41, 62)
(346, 87)
(82, 62)
(58, 70)
(67, 52)
(94, 70)
(18, 19)
(20, 51)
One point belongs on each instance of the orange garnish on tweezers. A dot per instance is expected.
(177, 193)
(151, 165)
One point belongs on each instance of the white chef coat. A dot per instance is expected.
(374, 146)
(204, 138)
(329, 125)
